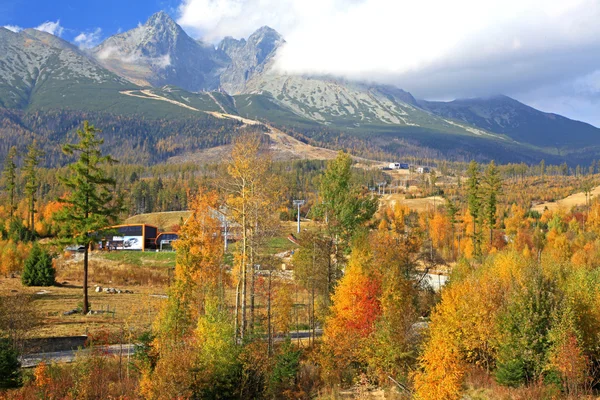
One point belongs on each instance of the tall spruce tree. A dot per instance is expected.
(492, 188)
(30, 169)
(10, 176)
(90, 205)
(474, 201)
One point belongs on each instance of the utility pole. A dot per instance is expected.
(299, 203)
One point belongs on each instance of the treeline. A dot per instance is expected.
(131, 139)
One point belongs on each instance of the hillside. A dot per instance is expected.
(155, 91)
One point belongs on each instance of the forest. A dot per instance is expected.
(352, 306)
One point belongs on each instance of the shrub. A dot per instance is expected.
(38, 270)
(10, 373)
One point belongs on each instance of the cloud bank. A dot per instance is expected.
(434, 48)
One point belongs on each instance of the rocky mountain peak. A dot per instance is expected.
(163, 21)
(265, 32)
(249, 58)
(159, 53)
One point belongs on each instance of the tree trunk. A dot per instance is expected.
(269, 330)
(244, 268)
(252, 287)
(85, 280)
(237, 308)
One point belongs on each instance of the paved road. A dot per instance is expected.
(67, 356)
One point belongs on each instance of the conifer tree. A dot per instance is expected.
(10, 367)
(32, 160)
(38, 269)
(90, 205)
(344, 208)
(474, 201)
(492, 189)
(10, 175)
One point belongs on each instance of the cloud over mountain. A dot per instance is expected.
(436, 49)
(51, 27)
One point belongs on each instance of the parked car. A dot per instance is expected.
(76, 248)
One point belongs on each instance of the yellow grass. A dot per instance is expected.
(574, 200)
(424, 204)
(164, 220)
(134, 312)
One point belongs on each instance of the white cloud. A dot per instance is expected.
(433, 48)
(53, 28)
(13, 28)
(89, 39)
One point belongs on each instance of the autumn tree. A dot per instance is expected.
(10, 176)
(30, 170)
(198, 271)
(344, 207)
(253, 196)
(312, 269)
(389, 350)
(354, 311)
(90, 204)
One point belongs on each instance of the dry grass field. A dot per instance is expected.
(146, 275)
(423, 204)
(574, 200)
(164, 220)
(135, 311)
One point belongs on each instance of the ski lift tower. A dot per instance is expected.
(299, 203)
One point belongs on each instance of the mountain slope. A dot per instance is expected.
(36, 66)
(160, 53)
(353, 106)
(502, 114)
(157, 82)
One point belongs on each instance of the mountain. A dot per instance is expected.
(160, 53)
(38, 69)
(158, 93)
(502, 114)
(248, 58)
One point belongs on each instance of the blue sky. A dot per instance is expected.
(77, 16)
(545, 53)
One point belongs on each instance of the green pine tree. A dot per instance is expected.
(38, 269)
(10, 367)
(474, 200)
(30, 169)
(10, 175)
(492, 188)
(344, 207)
(90, 205)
